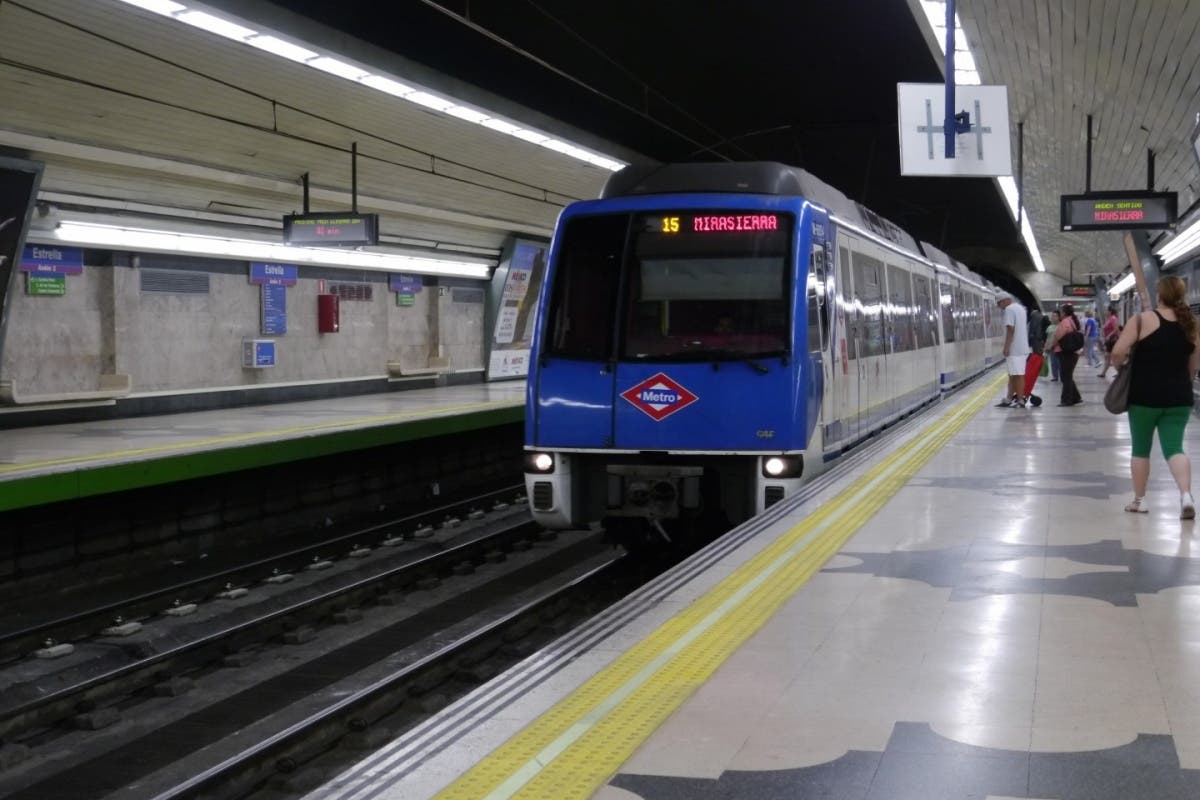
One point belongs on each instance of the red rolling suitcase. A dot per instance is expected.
(1033, 367)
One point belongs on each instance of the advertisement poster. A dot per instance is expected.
(517, 310)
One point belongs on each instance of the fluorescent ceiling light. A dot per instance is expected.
(500, 125)
(165, 7)
(139, 239)
(387, 85)
(281, 48)
(212, 24)
(529, 136)
(350, 71)
(339, 68)
(1181, 244)
(429, 101)
(1121, 285)
(469, 114)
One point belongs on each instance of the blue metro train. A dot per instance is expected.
(711, 335)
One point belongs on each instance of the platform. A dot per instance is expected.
(968, 613)
(61, 462)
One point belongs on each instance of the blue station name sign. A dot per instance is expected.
(265, 273)
(52, 259)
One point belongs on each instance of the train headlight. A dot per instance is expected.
(783, 466)
(539, 462)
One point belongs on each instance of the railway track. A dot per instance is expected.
(254, 689)
(19, 637)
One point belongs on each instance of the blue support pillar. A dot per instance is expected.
(950, 126)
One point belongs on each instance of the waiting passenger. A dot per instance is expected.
(1055, 361)
(1067, 341)
(1160, 390)
(1016, 349)
(1112, 329)
(1091, 336)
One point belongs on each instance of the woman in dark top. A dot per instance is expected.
(1160, 389)
(1067, 359)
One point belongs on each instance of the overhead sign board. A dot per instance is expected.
(1078, 290)
(983, 151)
(336, 229)
(1119, 211)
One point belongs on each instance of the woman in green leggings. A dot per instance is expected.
(1160, 391)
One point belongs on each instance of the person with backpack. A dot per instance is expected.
(1067, 342)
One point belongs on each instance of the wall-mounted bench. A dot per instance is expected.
(111, 387)
(437, 366)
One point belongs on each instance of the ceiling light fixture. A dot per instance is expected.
(1120, 286)
(344, 69)
(140, 239)
(1180, 245)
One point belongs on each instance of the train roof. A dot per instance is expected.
(752, 177)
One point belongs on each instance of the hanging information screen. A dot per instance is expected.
(1103, 211)
(337, 228)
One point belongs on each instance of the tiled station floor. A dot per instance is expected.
(977, 618)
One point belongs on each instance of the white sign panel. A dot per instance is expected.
(983, 151)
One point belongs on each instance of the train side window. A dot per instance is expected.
(867, 285)
(818, 313)
(946, 301)
(583, 300)
(900, 291)
(847, 303)
(921, 319)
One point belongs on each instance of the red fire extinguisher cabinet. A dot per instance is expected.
(327, 313)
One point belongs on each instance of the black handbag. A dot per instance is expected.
(1116, 398)
(1071, 342)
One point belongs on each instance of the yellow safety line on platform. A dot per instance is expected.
(241, 438)
(578, 745)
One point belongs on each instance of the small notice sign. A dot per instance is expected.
(46, 285)
(405, 299)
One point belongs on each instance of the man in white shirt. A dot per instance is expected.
(1016, 349)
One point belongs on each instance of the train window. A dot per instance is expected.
(847, 304)
(818, 319)
(926, 322)
(583, 299)
(868, 281)
(900, 292)
(946, 302)
(708, 287)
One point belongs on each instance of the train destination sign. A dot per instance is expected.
(337, 228)
(712, 223)
(1102, 211)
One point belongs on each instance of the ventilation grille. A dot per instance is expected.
(543, 495)
(172, 281)
(466, 295)
(772, 495)
(352, 291)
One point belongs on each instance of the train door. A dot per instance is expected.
(926, 324)
(872, 382)
(903, 365)
(845, 411)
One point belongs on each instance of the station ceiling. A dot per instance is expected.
(814, 84)
(137, 113)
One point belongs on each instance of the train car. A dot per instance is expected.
(711, 335)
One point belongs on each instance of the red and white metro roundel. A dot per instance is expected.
(659, 397)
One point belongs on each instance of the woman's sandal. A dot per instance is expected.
(1137, 506)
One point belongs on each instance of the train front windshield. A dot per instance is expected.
(697, 286)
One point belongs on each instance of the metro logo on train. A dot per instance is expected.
(659, 397)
